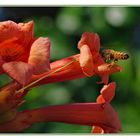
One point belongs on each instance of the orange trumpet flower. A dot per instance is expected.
(102, 115)
(107, 93)
(26, 60)
(21, 55)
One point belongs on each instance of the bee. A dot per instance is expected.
(113, 56)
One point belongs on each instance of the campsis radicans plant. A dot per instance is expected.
(25, 59)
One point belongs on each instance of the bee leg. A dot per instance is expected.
(107, 58)
(114, 61)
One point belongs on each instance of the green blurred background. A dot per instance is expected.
(118, 28)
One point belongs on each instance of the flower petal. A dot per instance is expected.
(100, 99)
(97, 130)
(19, 71)
(108, 69)
(11, 50)
(23, 31)
(104, 70)
(39, 55)
(1, 63)
(90, 39)
(86, 61)
(26, 30)
(107, 93)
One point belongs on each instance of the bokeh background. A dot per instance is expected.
(118, 28)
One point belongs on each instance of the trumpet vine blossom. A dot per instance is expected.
(21, 54)
(25, 59)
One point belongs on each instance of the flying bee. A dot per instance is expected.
(113, 56)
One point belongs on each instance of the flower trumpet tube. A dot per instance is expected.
(69, 69)
(102, 115)
(66, 68)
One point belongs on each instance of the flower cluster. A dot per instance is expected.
(25, 59)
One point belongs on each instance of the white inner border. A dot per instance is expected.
(68, 2)
(44, 3)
